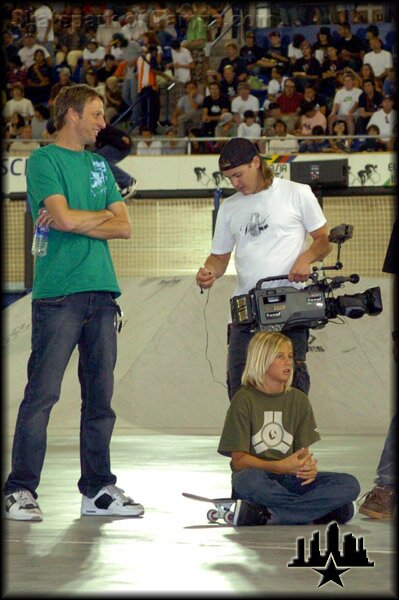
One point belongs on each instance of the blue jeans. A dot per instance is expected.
(114, 155)
(86, 319)
(239, 338)
(291, 503)
(386, 470)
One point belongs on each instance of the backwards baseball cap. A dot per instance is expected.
(236, 152)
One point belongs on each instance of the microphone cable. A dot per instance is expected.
(207, 341)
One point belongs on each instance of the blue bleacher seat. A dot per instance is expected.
(390, 40)
(361, 33)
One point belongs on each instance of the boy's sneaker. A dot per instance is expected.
(379, 503)
(129, 191)
(111, 501)
(341, 515)
(21, 506)
(246, 513)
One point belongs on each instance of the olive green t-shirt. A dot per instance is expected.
(268, 426)
(74, 262)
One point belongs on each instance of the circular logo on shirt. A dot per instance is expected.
(272, 434)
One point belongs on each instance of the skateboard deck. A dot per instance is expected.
(221, 510)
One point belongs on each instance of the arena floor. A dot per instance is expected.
(172, 549)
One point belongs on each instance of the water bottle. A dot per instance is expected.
(40, 240)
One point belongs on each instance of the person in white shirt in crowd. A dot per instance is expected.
(147, 146)
(93, 56)
(133, 28)
(43, 17)
(18, 104)
(283, 142)
(276, 83)
(345, 104)
(385, 119)
(182, 65)
(118, 43)
(107, 29)
(27, 52)
(249, 128)
(381, 60)
(244, 101)
(294, 51)
(25, 145)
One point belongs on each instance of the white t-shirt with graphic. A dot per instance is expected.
(346, 99)
(267, 230)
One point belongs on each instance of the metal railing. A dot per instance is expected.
(188, 141)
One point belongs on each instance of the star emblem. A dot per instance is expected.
(331, 573)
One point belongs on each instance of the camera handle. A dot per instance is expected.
(314, 275)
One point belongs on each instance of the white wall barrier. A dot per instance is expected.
(199, 172)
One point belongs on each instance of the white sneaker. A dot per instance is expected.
(21, 506)
(111, 501)
(128, 192)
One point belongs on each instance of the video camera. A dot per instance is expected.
(277, 309)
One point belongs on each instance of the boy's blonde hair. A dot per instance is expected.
(262, 350)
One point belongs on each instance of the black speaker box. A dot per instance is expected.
(321, 173)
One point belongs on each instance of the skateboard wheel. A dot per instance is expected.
(212, 515)
(228, 517)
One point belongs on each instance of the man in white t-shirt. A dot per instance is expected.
(27, 52)
(18, 104)
(345, 104)
(266, 222)
(283, 143)
(133, 28)
(43, 17)
(385, 119)
(379, 59)
(182, 62)
(244, 101)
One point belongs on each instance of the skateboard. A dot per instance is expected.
(221, 510)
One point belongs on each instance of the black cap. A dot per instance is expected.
(236, 152)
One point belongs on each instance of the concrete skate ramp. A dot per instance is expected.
(163, 380)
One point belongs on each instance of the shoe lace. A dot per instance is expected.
(117, 493)
(379, 495)
(25, 497)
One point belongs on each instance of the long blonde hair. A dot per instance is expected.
(266, 171)
(262, 350)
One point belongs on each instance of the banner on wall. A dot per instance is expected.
(201, 171)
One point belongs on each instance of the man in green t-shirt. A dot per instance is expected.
(73, 193)
(197, 36)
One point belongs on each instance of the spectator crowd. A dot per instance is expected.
(155, 65)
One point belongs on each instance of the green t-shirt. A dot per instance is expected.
(268, 426)
(74, 262)
(196, 29)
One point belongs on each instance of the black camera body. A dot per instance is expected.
(278, 308)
